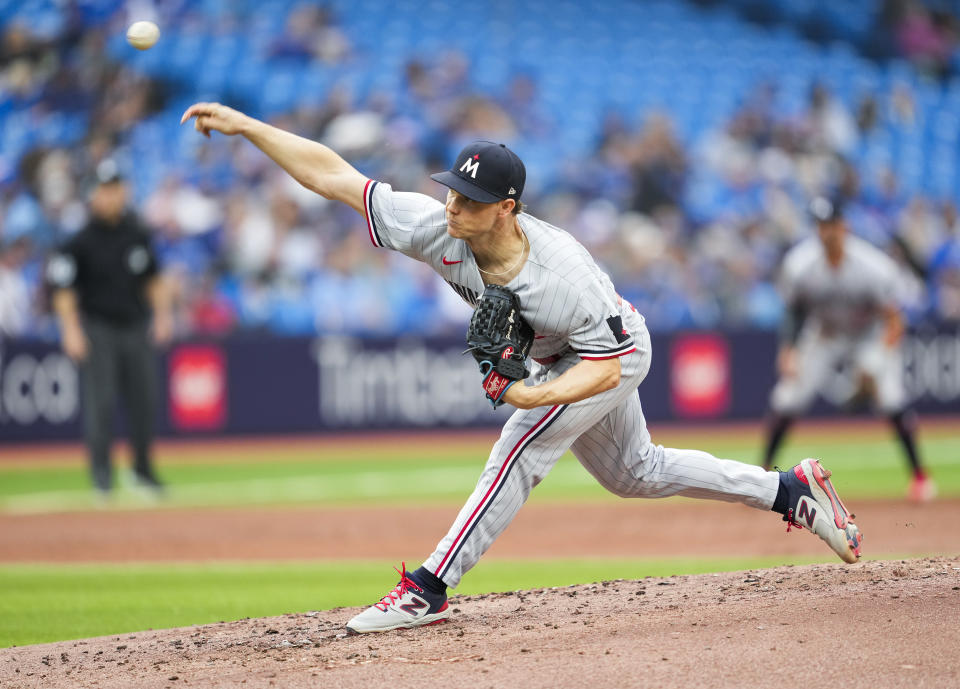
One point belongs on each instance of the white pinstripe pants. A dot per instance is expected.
(817, 358)
(609, 436)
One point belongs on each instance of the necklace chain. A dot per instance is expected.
(523, 248)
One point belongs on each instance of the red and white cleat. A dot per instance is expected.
(815, 505)
(922, 490)
(406, 606)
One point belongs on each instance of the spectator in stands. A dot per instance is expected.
(15, 296)
(522, 105)
(311, 33)
(210, 312)
(867, 115)
(658, 166)
(945, 269)
(924, 38)
(829, 124)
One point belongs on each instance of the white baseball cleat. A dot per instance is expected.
(408, 605)
(814, 504)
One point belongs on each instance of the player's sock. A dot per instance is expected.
(425, 578)
(781, 503)
(904, 422)
(776, 429)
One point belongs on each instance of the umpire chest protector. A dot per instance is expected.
(109, 267)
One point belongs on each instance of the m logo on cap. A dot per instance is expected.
(471, 165)
(502, 176)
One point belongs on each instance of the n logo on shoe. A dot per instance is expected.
(806, 512)
(412, 607)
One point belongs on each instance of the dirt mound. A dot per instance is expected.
(874, 624)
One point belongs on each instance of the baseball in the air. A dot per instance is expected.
(142, 35)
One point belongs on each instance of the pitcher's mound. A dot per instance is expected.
(871, 625)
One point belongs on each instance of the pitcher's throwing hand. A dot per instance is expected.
(215, 117)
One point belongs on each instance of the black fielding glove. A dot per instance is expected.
(499, 339)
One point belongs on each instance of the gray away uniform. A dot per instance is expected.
(844, 324)
(576, 314)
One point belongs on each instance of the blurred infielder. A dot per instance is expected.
(841, 308)
(591, 352)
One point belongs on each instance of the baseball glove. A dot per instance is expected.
(499, 339)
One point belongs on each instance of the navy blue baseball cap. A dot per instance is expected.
(486, 172)
(826, 208)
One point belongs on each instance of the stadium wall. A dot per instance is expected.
(263, 385)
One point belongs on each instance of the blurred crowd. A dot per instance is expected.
(927, 36)
(691, 231)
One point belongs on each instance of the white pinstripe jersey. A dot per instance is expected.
(848, 300)
(563, 295)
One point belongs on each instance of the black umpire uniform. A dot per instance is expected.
(106, 286)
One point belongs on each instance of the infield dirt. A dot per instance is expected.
(623, 528)
(872, 625)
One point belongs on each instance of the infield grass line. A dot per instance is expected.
(446, 475)
(45, 603)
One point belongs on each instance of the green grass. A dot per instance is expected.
(865, 465)
(43, 603)
(55, 602)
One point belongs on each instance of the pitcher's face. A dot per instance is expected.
(467, 218)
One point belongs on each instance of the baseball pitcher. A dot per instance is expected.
(543, 306)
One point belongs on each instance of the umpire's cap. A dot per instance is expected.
(826, 208)
(108, 172)
(486, 172)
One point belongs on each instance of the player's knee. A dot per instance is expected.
(619, 489)
(644, 471)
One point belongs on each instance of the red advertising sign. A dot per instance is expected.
(700, 375)
(198, 388)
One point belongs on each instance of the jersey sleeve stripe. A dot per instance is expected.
(608, 353)
(368, 209)
(594, 357)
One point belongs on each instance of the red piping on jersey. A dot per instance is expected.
(545, 360)
(553, 358)
(612, 356)
(506, 463)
